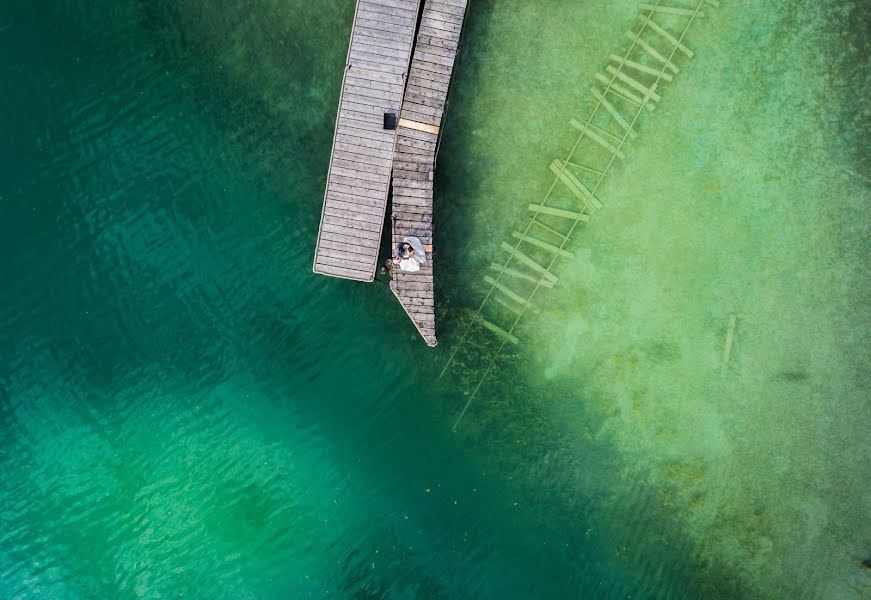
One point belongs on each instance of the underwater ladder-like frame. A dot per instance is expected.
(629, 88)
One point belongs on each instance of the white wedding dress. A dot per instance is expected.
(413, 263)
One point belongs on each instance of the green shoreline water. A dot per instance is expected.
(184, 407)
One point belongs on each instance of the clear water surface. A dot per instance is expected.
(187, 411)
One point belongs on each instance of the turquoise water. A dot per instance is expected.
(185, 410)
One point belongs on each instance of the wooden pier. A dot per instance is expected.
(355, 201)
(416, 144)
(382, 77)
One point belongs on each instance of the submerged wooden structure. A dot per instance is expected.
(399, 62)
(627, 88)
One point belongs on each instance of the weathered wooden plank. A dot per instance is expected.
(359, 184)
(376, 76)
(449, 29)
(360, 208)
(417, 71)
(646, 91)
(418, 82)
(499, 331)
(418, 294)
(421, 117)
(364, 142)
(591, 133)
(407, 4)
(372, 23)
(363, 150)
(356, 165)
(362, 53)
(438, 57)
(382, 44)
(360, 229)
(445, 52)
(377, 66)
(339, 258)
(360, 195)
(668, 10)
(666, 35)
(353, 249)
(518, 255)
(405, 149)
(361, 175)
(343, 272)
(415, 175)
(422, 105)
(412, 184)
(613, 87)
(426, 286)
(521, 275)
(415, 134)
(620, 60)
(420, 159)
(727, 349)
(413, 224)
(428, 97)
(371, 95)
(366, 245)
(615, 114)
(403, 162)
(386, 16)
(580, 191)
(541, 244)
(354, 215)
(437, 41)
(509, 293)
(558, 212)
(652, 51)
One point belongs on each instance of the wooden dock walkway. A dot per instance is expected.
(355, 201)
(415, 152)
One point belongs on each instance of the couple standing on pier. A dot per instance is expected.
(409, 254)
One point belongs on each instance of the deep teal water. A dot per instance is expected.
(187, 411)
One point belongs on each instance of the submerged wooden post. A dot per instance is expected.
(541, 244)
(499, 331)
(652, 51)
(559, 212)
(668, 10)
(730, 334)
(614, 113)
(523, 258)
(661, 31)
(502, 270)
(648, 92)
(577, 188)
(591, 133)
(639, 67)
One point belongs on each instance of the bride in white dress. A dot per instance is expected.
(410, 254)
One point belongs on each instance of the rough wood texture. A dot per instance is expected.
(423, 108)
(355, 200)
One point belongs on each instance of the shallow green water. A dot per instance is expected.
(186, 410)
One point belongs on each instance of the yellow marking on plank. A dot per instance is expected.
(418, 126)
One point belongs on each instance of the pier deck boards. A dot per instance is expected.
(358, 179)
(415, 152)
